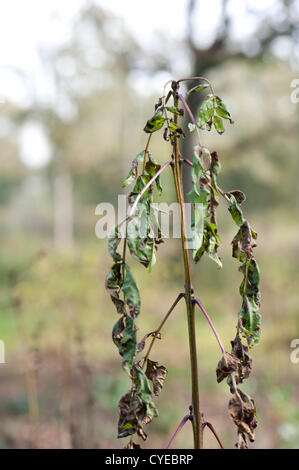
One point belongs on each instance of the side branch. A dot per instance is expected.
(212, 429)
(198, 302)
(179, 297)
(178, 429)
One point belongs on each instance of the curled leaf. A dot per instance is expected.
(206, 111)
(241, 351)
(133, 172)
(221, 110)
(114, 240)
(218, 123)
(125, 338)
(113, 284)
(177, 111)
(198, 88)
(235, 210)
(131, 293)
(243, 243)
(226, 366)
(141, 344)
(155, 123)
(242, 411)
(238, 195)
(157, 374)
(136, 408)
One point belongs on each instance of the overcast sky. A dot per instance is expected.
(28, 25)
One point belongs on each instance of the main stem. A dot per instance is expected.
(178, 180)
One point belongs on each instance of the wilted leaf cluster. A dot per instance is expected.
(142, 237)
(142, 234)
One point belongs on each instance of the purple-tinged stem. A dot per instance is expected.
(211, 427)
(178, 429)
(188, 162)
(198, 302)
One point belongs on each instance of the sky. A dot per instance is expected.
(29, 26)
(26, 26)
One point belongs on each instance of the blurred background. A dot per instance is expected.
(78, 81)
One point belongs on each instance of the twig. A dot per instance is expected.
(145, 152)
(198, 302)
(211, 427)
(179, 297)
(178, 429)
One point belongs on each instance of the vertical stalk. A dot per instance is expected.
(178, 180)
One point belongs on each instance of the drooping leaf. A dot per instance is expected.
(221, 109)
(206, 111)
(129, 408)
(212, 250)
(157, 374)
(141, 246)
(133, 172)
(113, 284)
(177, 111)
(125, 338)
(143, 390)
(175, 128)
(198, 88)
(152, 167)
(238, 195)
(243, 414)
(235, 210)
(131, 293)
(114, 240)
(140, 232)
(243, 243)
(226, 366)
(218, 123)
(155, 123)
(136, 408)
(197, 227)
(250, 320)
(241, 351)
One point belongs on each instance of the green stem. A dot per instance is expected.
(145, 152)
(178, 180)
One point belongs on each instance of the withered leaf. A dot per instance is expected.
(226, 366)
(125, 338)
(242, 353)
(129, 407)
(242, 443)
(239, 195)
(235, 210)
(157, 374)
(243, 243)
(242, 411)
(141, 344)
(113, 284)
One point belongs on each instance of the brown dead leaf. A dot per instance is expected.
(242, 413)
(157, 374)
